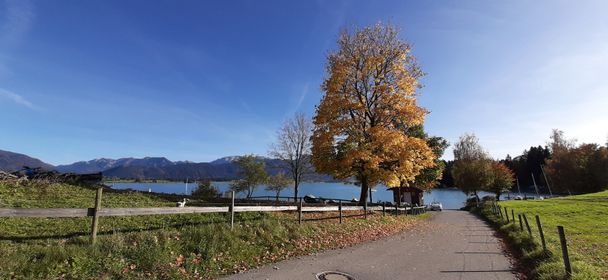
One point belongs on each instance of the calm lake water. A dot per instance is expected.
(450, 198)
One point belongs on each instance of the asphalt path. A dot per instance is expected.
(449, 245)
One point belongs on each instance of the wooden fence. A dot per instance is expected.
(498, 211)
(98, 211)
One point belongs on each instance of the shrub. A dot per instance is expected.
(205, 190)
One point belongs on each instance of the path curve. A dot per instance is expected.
(450, 245)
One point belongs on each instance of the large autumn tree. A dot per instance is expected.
(369, 101)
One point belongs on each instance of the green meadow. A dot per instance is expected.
(190, 246)
(586, 226)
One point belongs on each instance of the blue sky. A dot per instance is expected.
(198, 80)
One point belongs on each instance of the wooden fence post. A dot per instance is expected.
(513, 216)
(300, 212)
(95, 223)
(521, 225)
(527, 225)
(507, 214)
(383, 209)
(232, 211)
(340, 210)
(500, 211)
(562, 239)
(541, 233)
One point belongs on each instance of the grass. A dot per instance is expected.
(586, 227)
(188, 246)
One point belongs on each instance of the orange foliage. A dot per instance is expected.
(369, 101)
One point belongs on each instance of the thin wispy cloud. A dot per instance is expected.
(302, 95)
(16, 98)
(16, 20)
(19, 15)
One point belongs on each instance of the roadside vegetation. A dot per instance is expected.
(190, 246)
(583, 218)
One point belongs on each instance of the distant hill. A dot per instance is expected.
(181, 171)
(232, 159)
(10, 161)
(220, 169)
(148, 167)
(225, 160)
(102, 164)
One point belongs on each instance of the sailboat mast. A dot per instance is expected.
(545, 175)
(535, 187)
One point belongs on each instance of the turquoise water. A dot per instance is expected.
(450, 198)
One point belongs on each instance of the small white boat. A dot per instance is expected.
(435, 206)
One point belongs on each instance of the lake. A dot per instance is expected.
(450, 198)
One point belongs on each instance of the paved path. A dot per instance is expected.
(451, 245)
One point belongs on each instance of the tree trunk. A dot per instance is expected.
(364, 189)
(371, 200)
(399, 193)
(497, 196)
(296, 184)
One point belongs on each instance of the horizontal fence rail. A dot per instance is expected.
(104, 212)
(99, 211)
(46, 212)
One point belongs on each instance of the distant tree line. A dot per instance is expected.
(576, 168)
(568, 167)
(529, 164)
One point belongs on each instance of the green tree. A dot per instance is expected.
(472, 169)
(278, 183)
(447, 181)
(205, 190)
(252, 173)
(430, 176)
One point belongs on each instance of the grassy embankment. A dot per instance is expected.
(190, 246)
(586, 227)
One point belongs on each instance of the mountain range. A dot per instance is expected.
(10, 161)
(146, 168)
